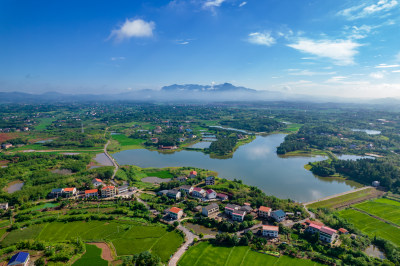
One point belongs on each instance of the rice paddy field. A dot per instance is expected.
(344, 199)
(128, 238)
(205, 253)
(373, 226)
(92, 256)
(126, 141)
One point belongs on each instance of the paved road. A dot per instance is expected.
(189, 240)
(113, 162)
(336, 195)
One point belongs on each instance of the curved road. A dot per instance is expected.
(112, 160)
(189, 240)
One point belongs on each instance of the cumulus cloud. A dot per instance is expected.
(242, 4)
(117, 58)
(213, 3)
(133, 28)
(261, 38)
(396, 71)
(364, 10)
(342, 52)
(377, 75)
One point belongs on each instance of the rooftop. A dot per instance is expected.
(90, 191)
(18, 258)
(264, 209)
(175, 210)
(211, 206)
(108, 187)
(270, 228)
(327, 230)
(69, 189)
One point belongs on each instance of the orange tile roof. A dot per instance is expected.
(264, 209)
(314, 222)
(99, 180)
(193, 173)
(90, 191)
(69, 189)
(270, 228)
(342, 230)
(175, 210)
(108, 187)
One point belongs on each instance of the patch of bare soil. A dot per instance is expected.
(105, 251)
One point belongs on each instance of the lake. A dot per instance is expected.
(256, 163)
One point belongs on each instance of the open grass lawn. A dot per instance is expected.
(371, 226)
(44, 123)
(126, 141)
(4, 223)
(384, 208)
(128, 237)
(92, 256)
(341, 200)
(206, 254)
(161, 174)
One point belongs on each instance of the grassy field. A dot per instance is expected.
(161, 174)
(207, 254)
(371, 226)
(126, 141)
(344, 199)
(44, 123)
(386, 209)
(128, 237)
(91, 257)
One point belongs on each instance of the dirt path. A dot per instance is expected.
(336, 195)
(105, 251)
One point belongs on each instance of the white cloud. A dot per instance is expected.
(377, 75)
(117, 58)
(364, 10)
(213, 3)
(242, 4)
(336, 79)
(342, 52)
(397, 58)
(386, 66)
(133, 28)
(306, 72)
(396, 71)
(261, 38)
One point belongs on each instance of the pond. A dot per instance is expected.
(368, 131)
(201, 145)
(256, 163)
(374, 251)
(15, 186)
(353, 157)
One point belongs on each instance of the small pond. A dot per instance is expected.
(374, 251)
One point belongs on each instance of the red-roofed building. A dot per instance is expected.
(211, 194)
(175, 213)
(193, 174)
(270, 230)
(326, 233)
(264, 211)
(97, 182)
(222, 196)
(198, 192)
(108, 191)
(70, 191)
(314, 222)
(91, 193)
(343, 231)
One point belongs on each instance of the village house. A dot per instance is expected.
(70, 191)
(210, 209)
(211, 194)
(326, 233)
(181, 178)
(246, 208)
(264, 212)
(222, 196)
(343, 231)
(6, 145)
(174, 194)
(198, 192)
(175, 213)
(210, 181)
(91, 193)
(193, 174)
(19, 259)
(162, 147)
(230, 208)
(108, 191)
(238, 215)
(4, 206)
(162, 192)
(56, 192)
(270, 231)
(97, 182)
(278, 215)
(187, 189)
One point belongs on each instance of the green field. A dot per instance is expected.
(161, 174)
(92, 256)
(126, 141)
(371, 226)
(331, 203)
(44, 123)
(386, 209)
(206, 254)
(128, 237)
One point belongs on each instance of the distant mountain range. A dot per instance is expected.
(184, 93)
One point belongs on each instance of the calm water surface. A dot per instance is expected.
(256, 163)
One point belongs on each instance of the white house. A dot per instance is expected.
(238, 215)
(278, 215)
(174, 194)
(97, 182)
(230, 208)
(4, 206)
(376, 184)
(210, 209)
(175, 213)
(198, 192)
(211, 194)
(270, 231)
(264, 212)
(181, 178)
(187, 189)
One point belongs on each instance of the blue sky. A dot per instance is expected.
(329, 47)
